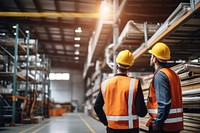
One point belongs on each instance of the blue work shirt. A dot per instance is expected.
(163, 96)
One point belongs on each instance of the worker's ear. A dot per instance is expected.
(154, 59)
(117, 66)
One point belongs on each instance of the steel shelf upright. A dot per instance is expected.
(17, 30)
(27, 63)
(15, 73)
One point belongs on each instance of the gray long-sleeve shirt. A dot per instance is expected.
(163, 96)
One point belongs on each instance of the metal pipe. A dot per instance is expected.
(145, 32)
(191, 99)
(191, 92)
(176, 11)
(186, 75)
(123, 34)
(120, 9)
(189, 67)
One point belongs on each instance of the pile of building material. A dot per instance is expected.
(189, 74)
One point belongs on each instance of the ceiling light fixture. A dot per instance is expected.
(77, 38)
(76, 58)
(2, 34)
(77, 45)
(76, 52)
(78, 30)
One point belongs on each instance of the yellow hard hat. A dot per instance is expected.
(161, 51)
(125, 57)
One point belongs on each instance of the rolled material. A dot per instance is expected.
(190, 81)
(191, 99)
(191, 87)
(191, 92)
(189, 67)
(188, 75)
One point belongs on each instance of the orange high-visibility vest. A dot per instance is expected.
(119, 95)
(174, 121)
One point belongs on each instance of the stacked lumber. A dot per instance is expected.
(189, 74)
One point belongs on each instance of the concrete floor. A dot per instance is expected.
(68, 123)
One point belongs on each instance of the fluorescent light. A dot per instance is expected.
(76, 45)
(78, 30)
(77, 38)
(76, 58)
(76, 52)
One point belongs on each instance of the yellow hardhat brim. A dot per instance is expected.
(150, 51)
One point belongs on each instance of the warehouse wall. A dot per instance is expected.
(69, 90)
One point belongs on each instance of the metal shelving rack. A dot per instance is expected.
(7, 49)
(24, 84)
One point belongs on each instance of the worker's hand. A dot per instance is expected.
(153, 124)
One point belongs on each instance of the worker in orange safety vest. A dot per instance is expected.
(120, 100)
(165, 95)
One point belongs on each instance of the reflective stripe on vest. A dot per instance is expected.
(172, 111)
(130, 117)
(122, 118)
(174, 120)
(103, 89)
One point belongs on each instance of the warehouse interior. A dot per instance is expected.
(54, 54)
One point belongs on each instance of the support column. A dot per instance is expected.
(115, 33)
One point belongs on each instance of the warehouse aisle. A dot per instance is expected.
(68, 123)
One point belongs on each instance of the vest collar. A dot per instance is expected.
(120, 74)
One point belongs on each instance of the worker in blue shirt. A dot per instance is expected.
(165, 95)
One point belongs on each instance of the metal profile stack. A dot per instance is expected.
(189, 74)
